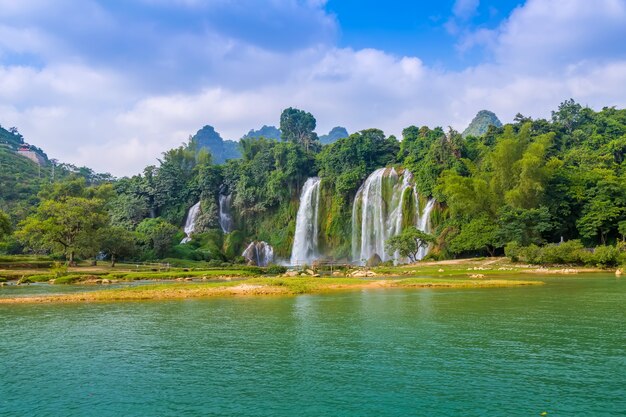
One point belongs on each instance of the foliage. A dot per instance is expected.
(477, 235)
(5, 225)
(525, 184)
(156, 237)
(408, 243)
(297, 126)
(68, 225)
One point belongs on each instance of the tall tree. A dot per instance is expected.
(68, 226)
(298, 126)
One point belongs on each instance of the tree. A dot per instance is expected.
(157, 236)
(479, 234)
(68, 225)
(117, 242)
(408, 243)
(5, 224)
(298, 126)
(569, 115)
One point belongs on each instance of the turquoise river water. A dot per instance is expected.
(558, 348)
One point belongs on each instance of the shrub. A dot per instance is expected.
(570, 252)
(605, 256)
(275, 270)
(512, 250)
(531, 254)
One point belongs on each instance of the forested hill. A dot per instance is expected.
(530, 182)
(21, 178)
(221, 150)
(481, 123)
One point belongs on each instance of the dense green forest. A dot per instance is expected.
(516, 187)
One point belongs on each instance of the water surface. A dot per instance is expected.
(472, 352)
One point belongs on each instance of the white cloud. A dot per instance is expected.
(102, 116)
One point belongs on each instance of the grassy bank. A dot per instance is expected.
(260, 286)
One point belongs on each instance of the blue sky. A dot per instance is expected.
(113, 83)
(428, 29)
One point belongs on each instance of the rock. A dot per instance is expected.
(291, 274)
(310, 271)
(374, 260)
(337, 274)
(188, 279)
(359, 274)
(440, 270)
(180, 279)
(106, 281)
(316, 275)
(477, 276)
(302, 274)
(618, 272)
(370, 274)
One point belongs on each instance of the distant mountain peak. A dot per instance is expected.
(481, 122)
(269, 132)
(220, 149)
(334, 135)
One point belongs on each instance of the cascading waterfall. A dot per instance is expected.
(226, 219)
(190, 221)
(377, 214)
(259, 253)
(424, 225)
(305, 239)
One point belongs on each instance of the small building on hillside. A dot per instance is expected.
(26, 151)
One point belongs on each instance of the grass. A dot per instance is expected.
(259, 286)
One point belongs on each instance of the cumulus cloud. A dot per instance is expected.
(118, 116)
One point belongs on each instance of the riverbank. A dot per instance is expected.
(260, 287)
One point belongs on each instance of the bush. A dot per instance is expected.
(570, 252)
(531, 254)
(512, 250)
(275, 270)
(605, 256)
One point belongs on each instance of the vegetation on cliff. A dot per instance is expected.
(530, 182)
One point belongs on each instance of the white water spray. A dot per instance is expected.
(424, 225)
(305, 239)
(226, 219)
(259, 253)
(190, 221)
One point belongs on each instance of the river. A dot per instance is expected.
(559, 348)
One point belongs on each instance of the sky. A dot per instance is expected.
(111, 84)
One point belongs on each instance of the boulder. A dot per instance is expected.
(337, 274)
(291, 274)
(374, 260)
(310, 272)
(359, 274)
(477, 276)
(618, 272)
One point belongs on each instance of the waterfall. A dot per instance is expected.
(226, 220)
(304, 248)
(377, 213)
(259, 253)
(424, 225)
(190, 221)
